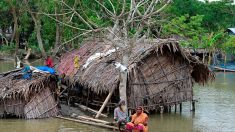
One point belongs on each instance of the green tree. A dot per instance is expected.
(188, 28)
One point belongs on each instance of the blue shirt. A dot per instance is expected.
(119, 114)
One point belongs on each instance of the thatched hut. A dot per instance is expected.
(160, 72)
(25, 98)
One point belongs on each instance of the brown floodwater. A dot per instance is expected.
(215, 112)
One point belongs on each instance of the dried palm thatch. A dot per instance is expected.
(17, 94)
(158, 69)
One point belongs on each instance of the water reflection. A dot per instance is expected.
(6, 65)
(9, 65)
(45, 125)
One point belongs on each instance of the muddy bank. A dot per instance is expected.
(21, 54)
(6, 56)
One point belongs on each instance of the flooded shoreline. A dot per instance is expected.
(215, 111)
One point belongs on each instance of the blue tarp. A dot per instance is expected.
(46, 68)
(27, 73)
(229, 66)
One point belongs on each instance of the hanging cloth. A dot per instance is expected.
(76, 62)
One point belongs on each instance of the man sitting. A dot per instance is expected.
(138, 121)
(120, 114)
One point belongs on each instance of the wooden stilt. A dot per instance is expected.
(105, 102)
(169, 108)
(193, 106)
(161, 109)
(130, 112)
(175, 108)
(180, 107)
(108, 109)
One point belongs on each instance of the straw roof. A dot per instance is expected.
(101, 75)
(12, 86)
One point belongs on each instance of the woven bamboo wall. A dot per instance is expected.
(15, 107)
(42, 105)
(160, 75)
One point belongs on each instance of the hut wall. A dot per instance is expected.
(41, 105)
(14, 107)
(160, 78)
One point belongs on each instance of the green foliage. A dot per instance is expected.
(200, 25)
(229, 46)
(7, 48)
(216, 14)
(48, 32)
(187, 28)
(197, 24)
(184, 26)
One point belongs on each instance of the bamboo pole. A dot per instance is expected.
(89, 109)
(92, 119)
(87, 122)
(105, 102)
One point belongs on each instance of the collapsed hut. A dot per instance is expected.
(160, 72)
(27, 98)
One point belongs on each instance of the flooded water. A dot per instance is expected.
(9, 65)
(215, 112)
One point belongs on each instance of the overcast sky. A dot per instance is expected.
(216, 0)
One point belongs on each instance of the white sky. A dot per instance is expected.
(216, 0)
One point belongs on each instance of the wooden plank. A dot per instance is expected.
(88, 123)
(92, 119)
(223, 69)
(8, 72)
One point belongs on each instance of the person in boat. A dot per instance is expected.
(120, 114)
(139, 121)
(49, 62)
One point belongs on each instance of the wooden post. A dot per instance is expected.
(175, 108)
(193, 106)
(161, 109)
(129, 112)
(105, 102)
(169, 108)
(108, 109)
(180, 107)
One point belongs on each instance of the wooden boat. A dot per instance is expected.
(216, 68)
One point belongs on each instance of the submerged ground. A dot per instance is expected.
(215, 111)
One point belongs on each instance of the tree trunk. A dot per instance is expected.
(28, 54)
(39, 37)
(123, 78)
(57, 39)
(37, 25)
(16, 32)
